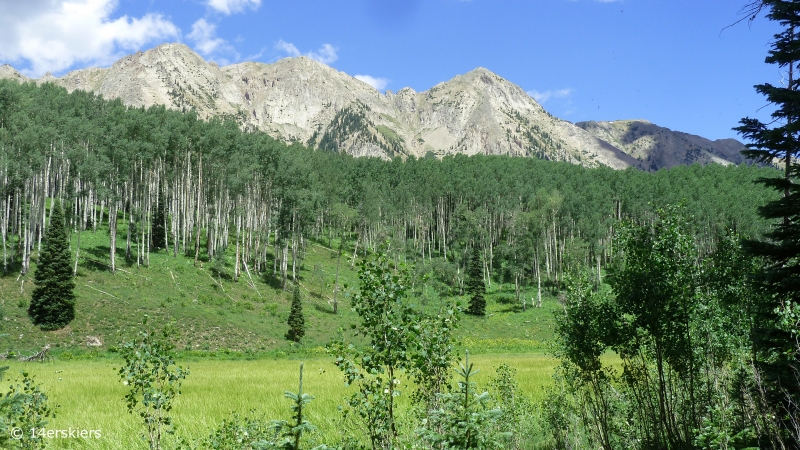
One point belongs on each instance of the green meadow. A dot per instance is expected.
(90, 394)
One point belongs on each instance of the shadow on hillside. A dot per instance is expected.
(271, 280)
(511, 309)
(100, 251)
(12, 270)
(505, 299)
(93, 264)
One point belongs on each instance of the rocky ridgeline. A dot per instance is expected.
(298, 99)
(655, 147)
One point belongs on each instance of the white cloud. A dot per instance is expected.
(542, 97)
(212, 47)
(287, 48)
(204, 36)
(53, 35)
(378, 83)
(229, 7)
(326, 54)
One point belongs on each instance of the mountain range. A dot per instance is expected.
(302, 100)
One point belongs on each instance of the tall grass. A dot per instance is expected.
(90, 394)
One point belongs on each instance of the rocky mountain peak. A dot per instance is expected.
(301, 99)
(8, 72)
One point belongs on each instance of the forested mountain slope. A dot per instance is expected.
(241, 206)
(301, 100)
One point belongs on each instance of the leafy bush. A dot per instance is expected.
(516, 410)
(241, 433)
(23, 409)
(154, 380)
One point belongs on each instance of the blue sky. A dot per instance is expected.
(672, 62)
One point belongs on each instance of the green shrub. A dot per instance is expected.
(23, 410)
(154, 380)
(466, 418)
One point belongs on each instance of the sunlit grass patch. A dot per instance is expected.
(90, 394)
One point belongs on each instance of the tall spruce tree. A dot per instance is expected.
(476, 288)
(53, 300)
(773, 345)
(297, 323)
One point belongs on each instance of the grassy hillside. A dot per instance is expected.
(216, 315)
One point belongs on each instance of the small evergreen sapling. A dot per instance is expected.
(297, 323)
(291, 432)
(465, 418)
(53, 300)
(253, 433)
(476, 288)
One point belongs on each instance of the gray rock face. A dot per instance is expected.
(298, 99)
(8, 72)
(656, 147)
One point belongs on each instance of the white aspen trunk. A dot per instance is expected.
(197, 213)
(294, 259)
(17, 221)
(172, 214)
(77, 256)
(284, 262)
(336, 282)
(187, 186)
(166, 226)
(128, 238)
(355, 251)
(25, 254)
(547, 254)
(236, 265)
(539, 289)
(484, 264)
(6, 219)
(112, 228)
(275, 259)
(491, 253)
(40, 214)
(99, 220)
(45, 196)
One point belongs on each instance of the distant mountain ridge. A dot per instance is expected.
(655, 147)
(299, 99)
